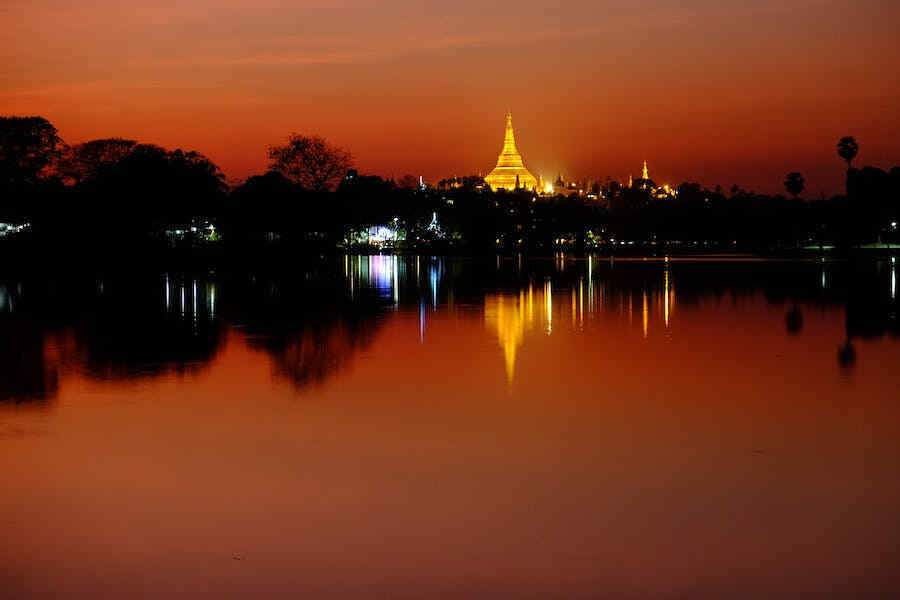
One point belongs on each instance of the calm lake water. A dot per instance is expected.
(424, 427)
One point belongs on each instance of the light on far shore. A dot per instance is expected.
(548, 187)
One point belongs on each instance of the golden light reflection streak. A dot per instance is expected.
(548, 305)
(672, 300)
(666, 299)
(581, 303)
(645, 314)
(507, 316)
(574, 308)
(530, 302)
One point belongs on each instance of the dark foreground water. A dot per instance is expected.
(420, 428)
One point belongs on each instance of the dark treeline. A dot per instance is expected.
(120, 195)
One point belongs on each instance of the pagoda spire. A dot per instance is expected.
(510, 166)
(510, 156)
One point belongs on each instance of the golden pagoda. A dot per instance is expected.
(510, 172)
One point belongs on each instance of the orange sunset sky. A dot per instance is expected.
(717, 91)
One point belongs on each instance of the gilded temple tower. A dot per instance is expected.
(510, 172)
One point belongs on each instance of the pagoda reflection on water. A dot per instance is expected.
(567, 300)
(513, 316)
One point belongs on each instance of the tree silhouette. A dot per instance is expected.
(310, 161)
(148, 189)
(847, 148)
(28, 147)
(794, 184)
(408, 182)
(29, 152)
(263, 207)
(87, 160)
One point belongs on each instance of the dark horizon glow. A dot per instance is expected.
(715, 92)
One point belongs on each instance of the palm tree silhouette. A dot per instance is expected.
(847, 148)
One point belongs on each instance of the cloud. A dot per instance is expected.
(359, 49)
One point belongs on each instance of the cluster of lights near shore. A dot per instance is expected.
(11, 229)
(559, 187)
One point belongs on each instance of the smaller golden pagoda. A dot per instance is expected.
(510, 172)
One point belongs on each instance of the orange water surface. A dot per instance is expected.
(424, 427)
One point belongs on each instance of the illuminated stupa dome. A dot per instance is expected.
(510, 172)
